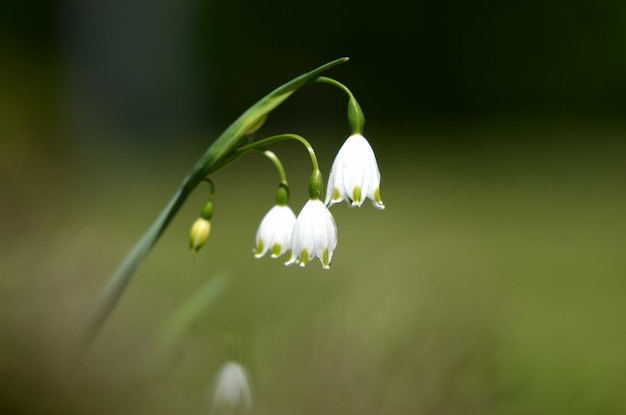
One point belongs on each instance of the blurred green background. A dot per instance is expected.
(493, 283)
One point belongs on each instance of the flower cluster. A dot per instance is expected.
(354, 176)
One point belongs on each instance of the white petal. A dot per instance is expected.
(354, 174)
(275, 229)
(232, 390)
(314, 233)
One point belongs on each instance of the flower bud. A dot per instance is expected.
(199, 234)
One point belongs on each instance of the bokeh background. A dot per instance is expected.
(493, 283)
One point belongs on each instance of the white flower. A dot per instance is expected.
(232, 392)
(354, 174)
(314, 235)
(275, 231)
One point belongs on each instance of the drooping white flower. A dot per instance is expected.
(274, 232)
(232, 391)
(314, 235)
(354, 174)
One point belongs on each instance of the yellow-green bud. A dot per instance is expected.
(199, 234)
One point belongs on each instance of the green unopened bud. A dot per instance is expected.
(355, 117)
(282, 195)
(199, 234)
(315, 184)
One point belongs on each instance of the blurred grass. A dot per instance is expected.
(492, 283)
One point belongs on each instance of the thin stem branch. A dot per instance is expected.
(274, 139)
(330, 81)
(279, 166)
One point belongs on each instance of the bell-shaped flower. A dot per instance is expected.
(232, 391)
(354, 174)
(314, 235)
(274, 232)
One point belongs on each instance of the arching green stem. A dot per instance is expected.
(331, 81)
(211, 184)
(355, 114)
(277, 163)
(274, 139)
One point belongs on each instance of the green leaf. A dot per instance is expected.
(213, 159)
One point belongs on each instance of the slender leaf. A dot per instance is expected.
(213, 159)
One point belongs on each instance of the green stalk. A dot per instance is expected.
(355, 114)
(270, 155)
(274, 139)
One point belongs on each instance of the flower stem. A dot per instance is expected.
(274, 139)
(279, 166)
(331, 81)
(355, 114)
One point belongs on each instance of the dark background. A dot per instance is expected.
(159, 68)
(493, 283)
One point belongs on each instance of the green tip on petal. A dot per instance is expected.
(377, 196)
(379, 203)
(356, 194)
(336, 194)
(325, 262)
(305, 257)
(276, 250)
(259, 249)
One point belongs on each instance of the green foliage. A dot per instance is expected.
(216, 156)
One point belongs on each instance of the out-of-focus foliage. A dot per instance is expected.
(492, 283)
